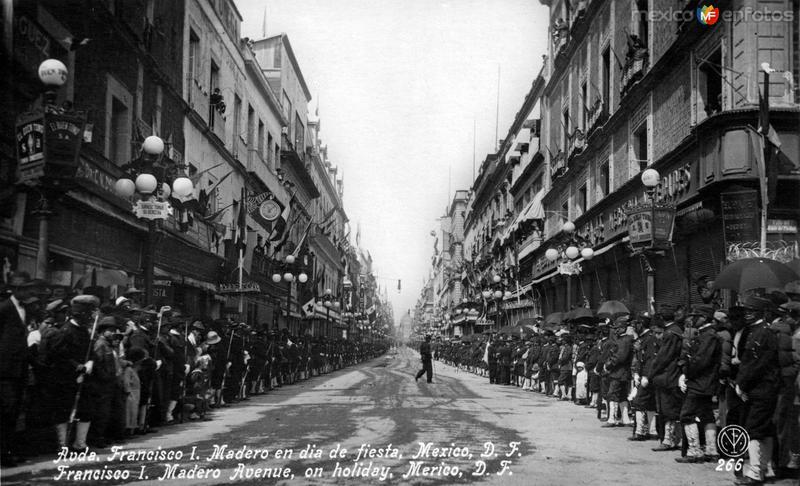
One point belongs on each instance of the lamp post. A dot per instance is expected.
(568, 251)
(650, 180)
(497, 292)
(329, 301)
(48, 143)
(147, 177)
(288, 276)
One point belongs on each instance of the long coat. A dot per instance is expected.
(13, 343)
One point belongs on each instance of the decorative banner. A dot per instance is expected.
(264, 208)
(30, 147)
(152, 209)
(233, 288)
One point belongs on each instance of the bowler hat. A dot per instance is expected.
(754, 302)
(84, 302)
(198, 324)
(106, 323)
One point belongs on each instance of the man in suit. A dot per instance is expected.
(13, 361)
(426, 356)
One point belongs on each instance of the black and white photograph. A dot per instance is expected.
(401, 242)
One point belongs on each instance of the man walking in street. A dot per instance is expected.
(426, 356)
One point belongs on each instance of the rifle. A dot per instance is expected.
(227, 357)
(185, 374)
(161, 312)
(74, 412)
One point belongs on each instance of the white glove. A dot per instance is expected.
(158, 364)
(645, 382)
(89, 365)
(741, 393)
(682, 383)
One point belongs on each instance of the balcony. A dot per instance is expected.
(636, 62)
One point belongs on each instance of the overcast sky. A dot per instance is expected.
(399, 84)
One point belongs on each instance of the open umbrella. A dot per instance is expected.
(579, 314)
(519, 331)
(755, 273)
(554, 318)
(612, 309)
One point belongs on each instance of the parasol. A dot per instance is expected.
(755, 273)
(612, 309)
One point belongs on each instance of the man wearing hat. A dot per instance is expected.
(68, 354)
(663, 375)
(179, 363)
(426, 357)
(644, 405)
(103, 379)
(565, 367)
(757, 383)
(618, 367)
(699, 362)
(13, 360)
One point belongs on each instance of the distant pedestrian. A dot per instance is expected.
(426, 356)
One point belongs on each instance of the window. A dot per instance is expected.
(582, 200)
(299, 134)
(286, 104)
(606, 79)
(537, 185)
(709, 86)
(270, 158)
(260, 147)
(642, 19)
(584, 108)
(565, 128)
(119, 134)
(639, 146)
(237, 117)
(212, 85)
(603, 180)
(194, 52)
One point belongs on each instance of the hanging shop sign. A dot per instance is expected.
(650, 226)
(48, 145)
(783, 226)
(152, 209)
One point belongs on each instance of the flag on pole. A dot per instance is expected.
(265, 208)
(241, 222)
(486, 353)
(280, 226)
(308, 307)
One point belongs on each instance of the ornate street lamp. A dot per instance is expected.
(151, 180)
(288, 271)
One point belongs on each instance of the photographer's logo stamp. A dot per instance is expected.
(707, 14)
(733, 440)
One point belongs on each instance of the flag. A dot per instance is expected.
(257, 206)
(775, 160)
(241, 222)
(308, 307)
(302, 239)
(486, 353)
(279, 228)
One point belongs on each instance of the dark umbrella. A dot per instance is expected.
(612, 309)
(755, 273)
(579, 314)
(520, 331)
(554, 318)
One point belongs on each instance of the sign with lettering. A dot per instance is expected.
(152, 209)
(569, 268)
(234, 288)
(62, 143)
(784, 226)
(30, 148)
(740, 218)
(640, 229)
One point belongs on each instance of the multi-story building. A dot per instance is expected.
(626, 90)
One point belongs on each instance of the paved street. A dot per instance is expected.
(379, 404)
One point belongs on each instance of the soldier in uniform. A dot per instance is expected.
(492, 360)
(178, 368)
(591, 360)
(644, 404)
(605, 350)
(504, 360)
(699, 361)
(565, 367)
(663, 375)
(426, 357)
(70, 367)
(618, 367)
(101, 383)
(552, 367)
(757, 384)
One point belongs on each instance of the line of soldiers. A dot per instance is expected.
(76, 374)
(676, 377)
